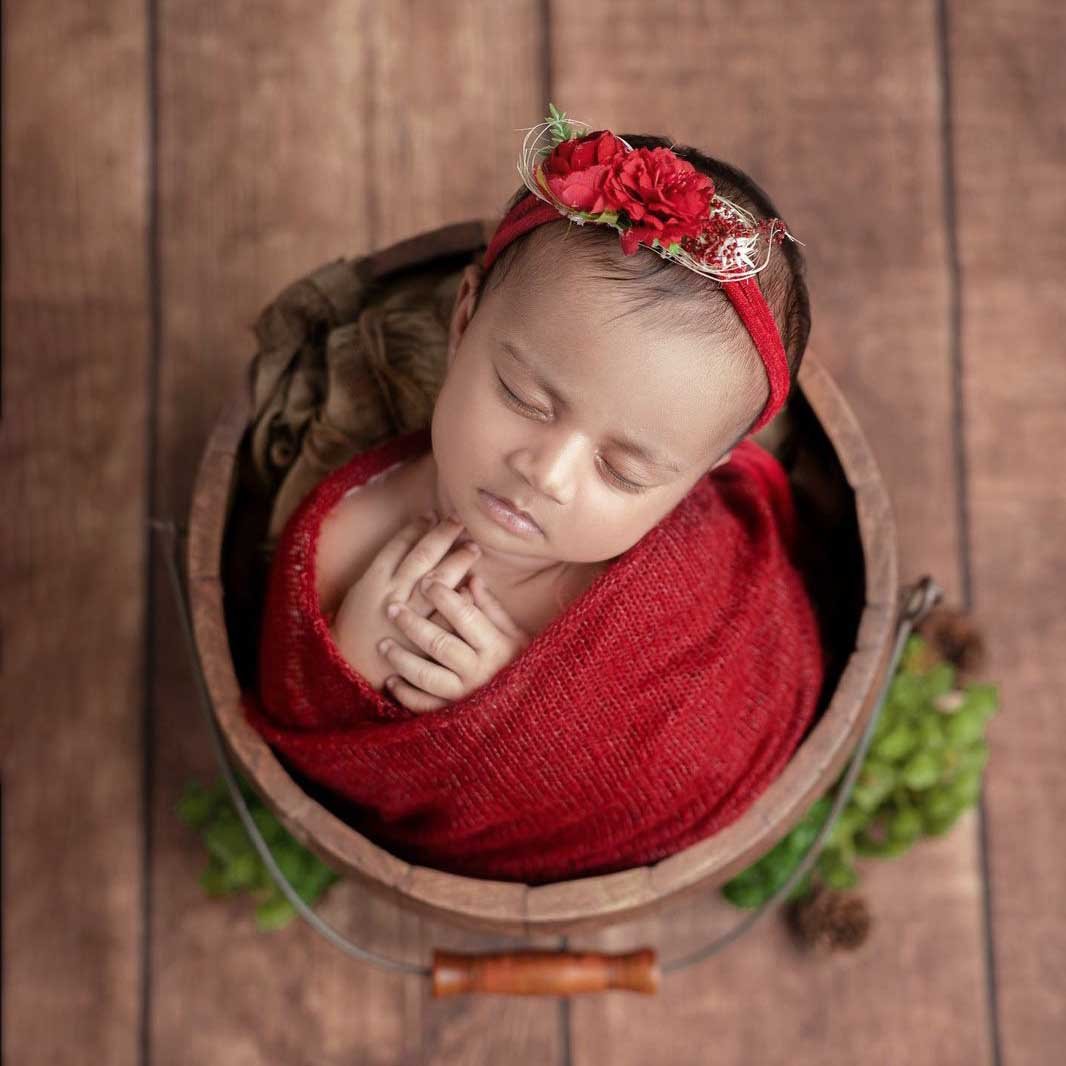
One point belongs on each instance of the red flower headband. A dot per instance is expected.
(657, 200)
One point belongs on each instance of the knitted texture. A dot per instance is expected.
(648, 715)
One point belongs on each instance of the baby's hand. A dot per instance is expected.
(486, 638)
(394, 573)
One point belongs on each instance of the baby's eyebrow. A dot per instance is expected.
(625, 440)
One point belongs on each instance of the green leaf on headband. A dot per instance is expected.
(558, 127)
(672, 248)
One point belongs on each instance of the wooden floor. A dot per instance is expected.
(168, 168)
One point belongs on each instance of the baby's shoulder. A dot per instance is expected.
(354, 530)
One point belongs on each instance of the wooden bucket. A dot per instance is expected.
(849, 555)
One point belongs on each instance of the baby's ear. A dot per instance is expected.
(465, 302)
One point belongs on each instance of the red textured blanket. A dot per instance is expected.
(648, 715)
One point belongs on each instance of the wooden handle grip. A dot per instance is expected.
(551, 973)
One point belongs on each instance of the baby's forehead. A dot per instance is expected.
(555, 276)
(545, 323)
(682, 406)
(562, 289)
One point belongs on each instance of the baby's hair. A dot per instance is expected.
(680, 297)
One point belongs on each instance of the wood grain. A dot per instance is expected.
(292, 134)
(73, 440)
(1010, 168)
(288, 139)
(841, 125)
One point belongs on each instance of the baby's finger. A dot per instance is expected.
(454, 566)
(413, 698)
(471, 623)
(396, 548)
(428, 676)
(449, 571)
(438, 619)
(433, 545)
(444, 648)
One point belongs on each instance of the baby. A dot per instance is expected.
(586, 393)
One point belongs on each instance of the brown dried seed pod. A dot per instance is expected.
(829, 920)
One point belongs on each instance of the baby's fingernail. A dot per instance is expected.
(392, 610)
(474, 548)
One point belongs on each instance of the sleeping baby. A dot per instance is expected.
(586, 393)
(581, 567)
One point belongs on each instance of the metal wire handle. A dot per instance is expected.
(917, 600)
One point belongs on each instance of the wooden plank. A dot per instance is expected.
(290, 139)
(72, 529)
(837, 115)
(1009, 84)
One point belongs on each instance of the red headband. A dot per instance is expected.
(586, 195)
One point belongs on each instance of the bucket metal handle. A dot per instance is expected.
(538, 972)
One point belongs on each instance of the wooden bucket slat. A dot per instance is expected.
(590, 902)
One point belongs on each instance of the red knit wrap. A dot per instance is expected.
(648, 715)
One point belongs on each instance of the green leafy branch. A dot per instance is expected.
(234, 865)
(923, 769)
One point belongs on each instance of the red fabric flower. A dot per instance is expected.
(663, 195)
(576, 170)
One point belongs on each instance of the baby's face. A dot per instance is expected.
(582, 385)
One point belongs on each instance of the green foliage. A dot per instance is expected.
(559, 129)
(758, 882)
(233, 863)
(923, 768)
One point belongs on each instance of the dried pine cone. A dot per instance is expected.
(954, 636)
(829, 920)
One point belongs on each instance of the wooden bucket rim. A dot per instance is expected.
(583, 901)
